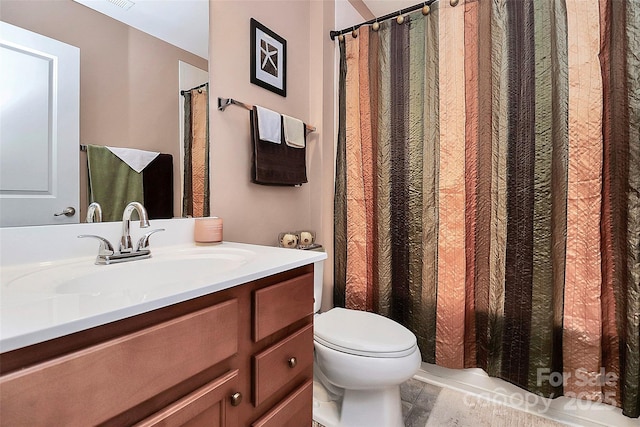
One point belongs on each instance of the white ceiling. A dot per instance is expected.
(185, 23)
(383, 7)
(347, 15)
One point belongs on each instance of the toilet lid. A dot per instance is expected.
(363, 334)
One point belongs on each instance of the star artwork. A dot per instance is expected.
(268, 58)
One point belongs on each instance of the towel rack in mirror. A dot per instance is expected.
(223, 103)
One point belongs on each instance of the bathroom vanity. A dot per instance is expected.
(235, 350)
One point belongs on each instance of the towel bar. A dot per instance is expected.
(223, 103)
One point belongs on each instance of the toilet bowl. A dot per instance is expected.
(360, 360)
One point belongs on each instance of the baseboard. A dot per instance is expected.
(573, 412)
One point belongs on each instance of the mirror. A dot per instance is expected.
(129, 79)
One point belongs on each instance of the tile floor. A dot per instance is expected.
(455, 410)
(418, 399)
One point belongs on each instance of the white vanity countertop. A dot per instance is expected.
(49, 299)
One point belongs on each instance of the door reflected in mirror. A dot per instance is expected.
(39, 129)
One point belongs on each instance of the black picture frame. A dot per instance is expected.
(268, 59)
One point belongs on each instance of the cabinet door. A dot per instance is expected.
(281, 363)
(119, 374)
(211, 406)
(293, 411)
(278, 306)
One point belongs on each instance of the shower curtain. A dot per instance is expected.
(488, 189)
(195, 200)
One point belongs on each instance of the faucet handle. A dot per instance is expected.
(105, 245)
(143, 243)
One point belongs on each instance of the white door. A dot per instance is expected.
(39, 129)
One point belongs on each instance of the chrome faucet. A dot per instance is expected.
(106, 254)
(94, 212)
(125, 240)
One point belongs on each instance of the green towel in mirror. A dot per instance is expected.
(112, 183)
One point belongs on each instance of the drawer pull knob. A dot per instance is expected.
(292, 362)
(236, 398)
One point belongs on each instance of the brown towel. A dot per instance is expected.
(276, 164)
(157, 184)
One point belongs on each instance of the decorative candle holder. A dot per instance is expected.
(208, 230)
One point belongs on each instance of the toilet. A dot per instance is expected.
(360, 361)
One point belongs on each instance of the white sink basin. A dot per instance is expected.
(42, 300)
(136, 281)
(148, 276)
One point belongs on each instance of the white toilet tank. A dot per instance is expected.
(318, 269)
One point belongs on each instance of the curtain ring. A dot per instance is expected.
(354, 33)
(400, 18)
(341, 37)
(375, 26)
(426, 9)
(453, 3)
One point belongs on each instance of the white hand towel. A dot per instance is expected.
(293, 131)
(136, 159)
(269, 125)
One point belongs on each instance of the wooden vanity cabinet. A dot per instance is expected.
(238, 357)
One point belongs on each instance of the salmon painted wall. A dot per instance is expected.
(255, 213)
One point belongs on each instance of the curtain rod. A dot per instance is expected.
(395, 14)
(182, 92)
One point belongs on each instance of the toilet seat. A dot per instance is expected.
(362, 333)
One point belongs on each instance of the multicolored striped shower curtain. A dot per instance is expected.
(196, 194)
(488, 189)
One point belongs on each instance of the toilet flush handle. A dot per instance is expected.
(292, 362)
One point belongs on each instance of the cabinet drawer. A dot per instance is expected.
(294, 411)
(92, 385)
(280, 363)
(277, 306)
(208, 406)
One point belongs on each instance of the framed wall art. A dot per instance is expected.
(268, 59)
